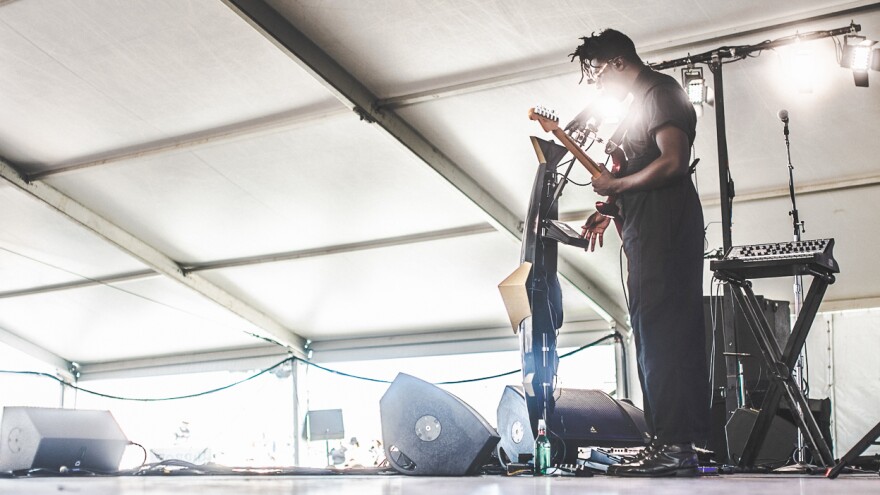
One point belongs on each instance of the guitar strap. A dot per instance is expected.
(616, 139)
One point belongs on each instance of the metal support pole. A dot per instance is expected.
(732, 399)
(724, 179)
(294, 378)
(799, 373)
(621, 362)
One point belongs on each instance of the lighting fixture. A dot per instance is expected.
(859, 55)
(694, 84)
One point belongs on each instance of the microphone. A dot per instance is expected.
(783, 116)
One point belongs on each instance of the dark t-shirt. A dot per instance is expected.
(658, 101)
(663, 227)
(652, 217)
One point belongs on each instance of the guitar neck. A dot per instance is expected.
(588, 163)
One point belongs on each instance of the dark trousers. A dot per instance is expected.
(675, 385)
(663, 240)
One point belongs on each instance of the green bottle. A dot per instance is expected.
(543, 457)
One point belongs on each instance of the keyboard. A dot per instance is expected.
(779, 259)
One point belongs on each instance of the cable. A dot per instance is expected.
(706, 239)
(276, 365)
(622, 283)
(586, 346)
(141, 399)
(570, 181)
(144, 461)
(341, 373)
(716, 311)
(562, 164)
(712, 318)
(564, 451)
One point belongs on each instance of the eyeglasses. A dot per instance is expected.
(592, 72)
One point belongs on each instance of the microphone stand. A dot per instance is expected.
(800, 370)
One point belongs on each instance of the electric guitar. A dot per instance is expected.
(550, 123)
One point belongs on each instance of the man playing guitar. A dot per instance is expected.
(662, 233)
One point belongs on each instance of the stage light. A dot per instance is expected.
(694, 84)
(695, 87)
(859, 55)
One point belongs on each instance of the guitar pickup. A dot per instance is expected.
(563, 233)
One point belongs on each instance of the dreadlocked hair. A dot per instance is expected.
(606, 45)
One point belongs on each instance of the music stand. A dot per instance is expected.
(325, 424)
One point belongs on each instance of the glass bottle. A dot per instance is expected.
(543, 457)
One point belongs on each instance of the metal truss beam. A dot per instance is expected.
(89, 282)
(306, 115)
(149, 255)
(242, 359)
(271, 123)
(360, 99)
(804, 189)
(647, 53)
(265, 258)
(572, 216)
(61, 365)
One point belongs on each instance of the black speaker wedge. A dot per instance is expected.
(430, 432)
(581, 418)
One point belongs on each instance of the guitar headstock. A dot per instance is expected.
(546, 117)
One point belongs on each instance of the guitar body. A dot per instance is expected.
(609, 207)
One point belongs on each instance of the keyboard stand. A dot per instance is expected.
(780, 365)
(868, 440)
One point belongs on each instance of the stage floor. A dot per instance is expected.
(478, 485)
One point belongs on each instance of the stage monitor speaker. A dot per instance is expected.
(430, 432)
(324, 424)
(581, 418)
(44, 438)
(755, 378)
(821, 411)
(776, 449)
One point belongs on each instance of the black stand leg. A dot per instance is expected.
(866, 441)
(780, 365)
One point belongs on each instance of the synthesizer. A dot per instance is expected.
(779, 259)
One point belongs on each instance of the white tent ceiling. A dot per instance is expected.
(202, 151)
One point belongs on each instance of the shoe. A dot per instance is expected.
(664, 460)
(647, 451)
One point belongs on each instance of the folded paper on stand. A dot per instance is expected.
(516, 297)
